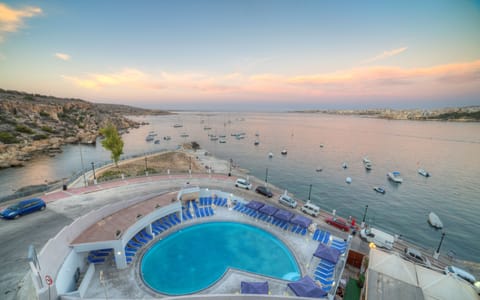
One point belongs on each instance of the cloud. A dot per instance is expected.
(11, 20)
(62, 56)
(384, 81)
(384, 55)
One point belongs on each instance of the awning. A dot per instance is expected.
(255, 205)
(254, 287)
(327, 253)
(283, 215)
(301, 220)
(306, 287)
(268, 209)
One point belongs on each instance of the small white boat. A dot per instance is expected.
(366, 160)
(395, 177)
(368, 166)
(149, 138)
(434, 220)
(348, 180)
(423, 173)
(157, 142)
(222, 141)
(177, 125)
(167, 138)
(319, 169)
(270, 154)
(256, 143)
(321, 145)
(184, 135)
(379, 189)
(344, 165)
(284, 152)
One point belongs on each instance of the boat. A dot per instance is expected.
(348, 180)
(184, 135)
(379, 189)
(167, 138)
(177, 125)
(395, 177)
(222, 141)
(206, 127)
(149, 138)
(434, 220)
(256, 143)
(368, 166)
(423, 173)
(270, 154)
(213, 137)
(321, 145)
(344, 165)
(319, 169)
(366, 160)
(284, 152)
(222, 136)
(157, 142)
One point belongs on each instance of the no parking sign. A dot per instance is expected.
(48, 280)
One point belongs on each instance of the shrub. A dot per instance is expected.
(40, 137)
(8, 138)
(44, 114)
(23, 128)
(47, 129)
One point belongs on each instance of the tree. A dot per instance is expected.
(112, 142)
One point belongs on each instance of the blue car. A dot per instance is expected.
(22, 208)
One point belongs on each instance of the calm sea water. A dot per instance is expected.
(449, 151)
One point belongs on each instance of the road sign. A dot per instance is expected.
(48, 279)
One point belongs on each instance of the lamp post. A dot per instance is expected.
(309, 192)
(230, 168)
(436, 254)
(266, 177)
(94, 177)
(146, 166)
(364, 216)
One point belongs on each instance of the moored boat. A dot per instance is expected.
(344, 165)
(270, 154)
(395, 177)
(423, 173)
(157, 142)
(256, 143)
(379, 189)
(434, 220)
(368, 166)
(348, 180)
(284, 152)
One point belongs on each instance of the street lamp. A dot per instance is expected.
(266, 177)
(364, 216)
(146, 166)
(309, 192)
(93, 169)
(230, 168)
(437, 253)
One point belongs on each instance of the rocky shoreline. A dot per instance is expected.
(32, 125)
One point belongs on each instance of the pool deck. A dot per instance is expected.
(128, 283)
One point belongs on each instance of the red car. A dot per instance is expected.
(339, 223)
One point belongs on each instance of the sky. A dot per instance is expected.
(245, 55)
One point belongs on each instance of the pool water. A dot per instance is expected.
(195, 257)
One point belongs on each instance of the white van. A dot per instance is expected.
(379, 238)
(243, 183)
(310, 209)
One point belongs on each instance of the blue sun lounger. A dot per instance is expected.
(96, 260)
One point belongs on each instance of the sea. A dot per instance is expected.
(449, 151)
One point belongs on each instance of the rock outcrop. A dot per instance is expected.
(36, 124)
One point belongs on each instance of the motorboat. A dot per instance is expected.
(256, 143)
(222, 141)
(366, 160)
(149, 138)
(177, 125)
(184, 135)
(348, 180)
(434, 220)
(368, 166)
(379, 189)
(395, 177)
(157, 142)
(319, 169)
(344, 165)
(423, 173)
(167, 138)
(284, 152)
(270, 154)
(321, 145)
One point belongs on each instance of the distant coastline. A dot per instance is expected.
(458, 114)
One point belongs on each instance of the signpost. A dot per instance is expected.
(49, 282)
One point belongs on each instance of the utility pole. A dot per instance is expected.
(94, 177)
(83, 169)
(364, 216)
(309, 192)
(437, 253)
(266, 177)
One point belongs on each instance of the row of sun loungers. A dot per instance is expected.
(99, 256)
(321, 236)
(339, 245)
(208, 201)
(324, 274)
(269, 219)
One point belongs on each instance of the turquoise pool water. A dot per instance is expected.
(196, 257)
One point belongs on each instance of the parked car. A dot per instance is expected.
(460, 273)
(310, 209)
(263, 190)
(416, 256)
(287, 200)
(340, 223)
(378, 237)
(243, 183)
(22, 208)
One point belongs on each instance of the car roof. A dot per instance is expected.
(413, 251)
(30, 200)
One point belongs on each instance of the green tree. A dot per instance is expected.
(112, 142)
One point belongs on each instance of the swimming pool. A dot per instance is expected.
(195, 257)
